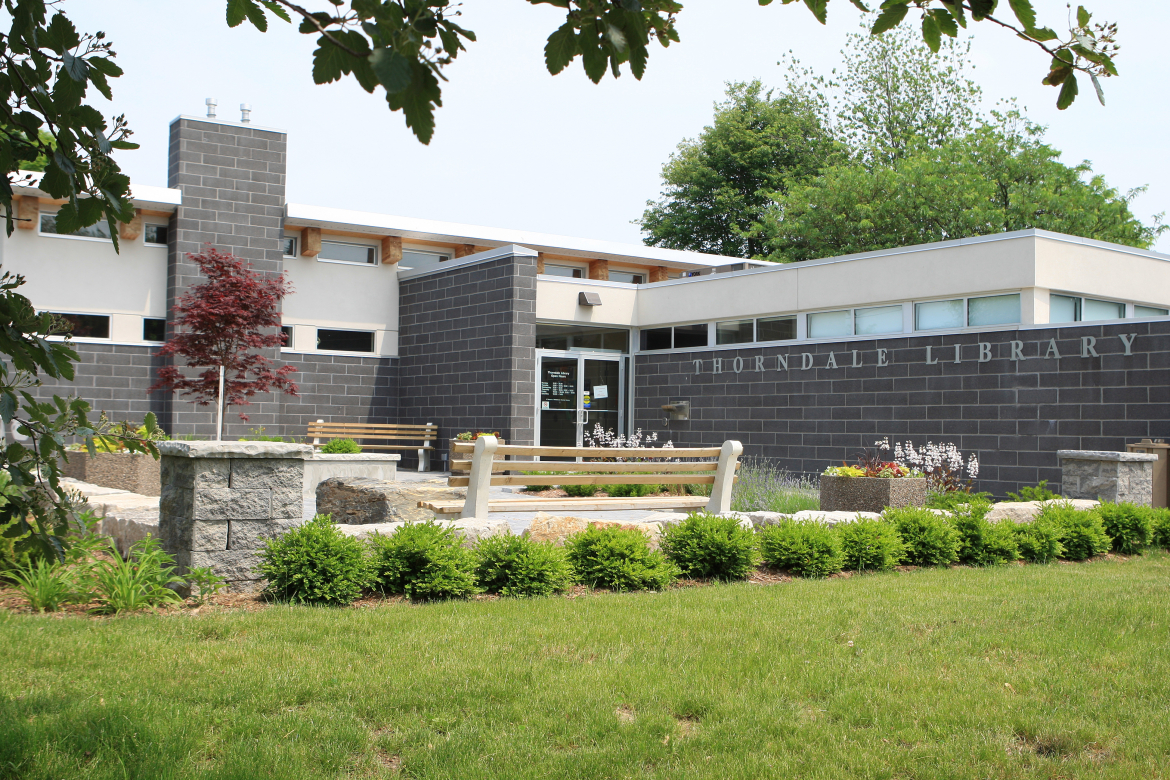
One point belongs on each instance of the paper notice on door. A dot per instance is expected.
(600, 391)
(544, 404)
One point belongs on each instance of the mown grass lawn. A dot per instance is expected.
(1020, 671)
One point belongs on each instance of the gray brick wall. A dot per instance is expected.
(1014, 414)
(467, 346)
(233, 184)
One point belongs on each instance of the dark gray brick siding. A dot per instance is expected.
(233, 184)
(467, 346)
(1014, 414)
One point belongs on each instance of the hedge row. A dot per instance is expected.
(316, 563)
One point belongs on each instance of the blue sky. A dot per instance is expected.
(517, 148)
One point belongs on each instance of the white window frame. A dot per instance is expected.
(373, 248)
(1129, 306)
(316, 338)
(86, 339)
(584, 269)
(295, 245)
(44, 213)
(145, 225)
(795, 321)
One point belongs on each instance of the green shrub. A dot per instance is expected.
(631, 491)
(868, 544)
(1160, 520)
(341, 447)
(929, 538)
(951, 500)
(619, 559)
(1130, 526)
(315, 564)
(517, 566)
(140, 580)
(706, 545)
(1081, 532)
(46, 584)
(537, 488)
(1039, 540)
(810, 549)
(581, 491)
(424, 561)
(1038, 493)
(983, 543)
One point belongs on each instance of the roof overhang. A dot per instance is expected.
(143, 196)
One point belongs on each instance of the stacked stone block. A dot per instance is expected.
(1108, 476)
(221, 501)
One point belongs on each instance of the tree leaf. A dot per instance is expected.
(946, 22)
(561, 48)
(819, 8)
(1068, 93)
(981, 9)
(1097, 86)
(237, 12)
(392, 69)
(276, 9)
(930, 33)
(860, 6)
(1083, 17)
(1024, 12)
(890, 18)
(256, 16)
(593, 56)
(955, 7)
(75, 67)
(329, 61)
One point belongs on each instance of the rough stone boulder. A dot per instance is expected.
(368, 501)
(470, 529)
(1026, 511)
(557, 529)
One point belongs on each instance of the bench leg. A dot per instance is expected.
(424, 460)
(720, 502)
(480, 483)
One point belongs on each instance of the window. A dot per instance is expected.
(1102, 310)
(993, 310)
(564, 270)
(688, 336)
(290, 246)
(86, 326)
(934, 315)
(97, 230)
(154, 329)
(345, 340)
(626, 277)
(877, 320)
(413, 260)
(287, 332)
(1149, 311)
(656, 338)
(828, 324)
(735, 332)
(578, 337)
(776, 329)
(338, 252)
(155, 234)
(1064, 308)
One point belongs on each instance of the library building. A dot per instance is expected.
(1011, 346)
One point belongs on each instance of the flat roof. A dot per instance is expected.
(143, 196)
(410, 228)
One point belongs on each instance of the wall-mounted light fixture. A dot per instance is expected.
(588, 299)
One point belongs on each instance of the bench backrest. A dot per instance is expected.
(715, 466)
(403, 436)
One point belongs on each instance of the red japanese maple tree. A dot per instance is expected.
(222, 322)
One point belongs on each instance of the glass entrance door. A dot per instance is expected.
(576, 393)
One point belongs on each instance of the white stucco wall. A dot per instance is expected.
(86, 276)
(344, 296)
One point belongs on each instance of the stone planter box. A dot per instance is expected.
(135, 472)
(1107, 476)
(870, 494)
(320, 467)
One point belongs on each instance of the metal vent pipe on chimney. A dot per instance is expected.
(246, 113)
(211, 104)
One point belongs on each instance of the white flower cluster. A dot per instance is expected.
(601, 437)
(931, 457)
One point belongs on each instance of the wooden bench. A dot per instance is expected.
(395, 437)
(714, 466)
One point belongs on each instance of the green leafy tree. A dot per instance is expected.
(891, 96)
(997, 179)
(717, 189)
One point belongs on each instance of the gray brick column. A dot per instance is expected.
(232, 177)
(221, 501)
